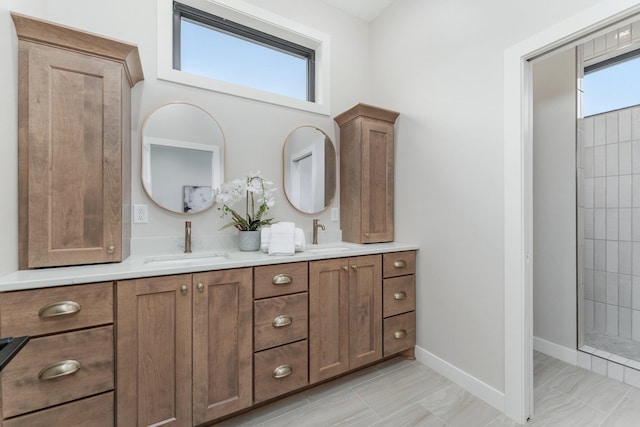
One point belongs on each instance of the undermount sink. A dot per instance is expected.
(186, 259)
(328, 249)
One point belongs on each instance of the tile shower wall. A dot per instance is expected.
(611, 222)
(608, 161)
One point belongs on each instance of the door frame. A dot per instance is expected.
(518, 200)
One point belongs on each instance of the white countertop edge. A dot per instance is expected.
(135, 267)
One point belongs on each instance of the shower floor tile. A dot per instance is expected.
(621, 347)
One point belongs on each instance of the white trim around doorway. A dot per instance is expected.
(518, 191)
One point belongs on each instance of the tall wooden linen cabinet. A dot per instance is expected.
(366, 174)
(74, 120)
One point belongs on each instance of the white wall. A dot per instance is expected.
(554, 199)
(440, 64)
(255, 132)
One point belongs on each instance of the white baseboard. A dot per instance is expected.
(473, 385)
(554, 350)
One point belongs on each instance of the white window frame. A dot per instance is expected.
(262, 20)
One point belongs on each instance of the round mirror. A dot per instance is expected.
(309, 162)
(182, 157)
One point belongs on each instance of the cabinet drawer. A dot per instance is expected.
(398, 295)
(69, 307)
(23, 390)
(96, 411)
(398, 263)
(399, 333)
(280, 320)
(280, 370)
(281, 279)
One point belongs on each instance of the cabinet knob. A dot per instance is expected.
(61, 308)
(282, 371)
(184, 289)
(345, 268)
(111, 249)
(399, 264)
(59, 369)
(282, 321)
(402, 333)
(355, 267)
(200, 287)
(282, 279)
(398, 296)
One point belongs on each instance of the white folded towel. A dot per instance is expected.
(282, 239)
(265, 237)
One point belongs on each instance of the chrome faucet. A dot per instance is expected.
(315, 231)
(187, 237)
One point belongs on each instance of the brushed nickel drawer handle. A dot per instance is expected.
(282, 371)
(399, 296)
(282, 321)
(402, 333)
(59, 369)
(399, 264)
(61, 308)
(282, 279)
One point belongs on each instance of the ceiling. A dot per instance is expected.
(367, 10)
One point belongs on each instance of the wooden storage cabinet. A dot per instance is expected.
(280, 320)
(69, 361)
(345, 315)
(399, 302)
(184, 348)
(74, 166)
(367, 174)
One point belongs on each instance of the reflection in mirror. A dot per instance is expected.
(182, 157)
(309, 163)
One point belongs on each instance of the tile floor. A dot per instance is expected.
(400, 392)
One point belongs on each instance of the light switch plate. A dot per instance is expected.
(335, 214)
(140, 214)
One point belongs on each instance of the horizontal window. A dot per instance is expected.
(249, 53)
(612, 85)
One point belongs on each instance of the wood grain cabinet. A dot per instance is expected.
(65, 374)
(280, 319)
(367, 174)
(399, 302)
(345, 315)
(184, 348)
(74, 119)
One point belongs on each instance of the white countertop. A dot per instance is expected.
(136, 266)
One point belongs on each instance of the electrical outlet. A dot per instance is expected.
(140, 214)
(335, 214)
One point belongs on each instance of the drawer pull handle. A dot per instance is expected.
(399, 296)
(282, 321)
(282, 279)
(61, 308)
(282, 371)
(59, 369)
(402, 333)
(399, 264)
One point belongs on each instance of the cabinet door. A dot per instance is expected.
(365, 310)
(222, 343)
(328, 318)
(154, 351)
(377, 181)
(70, 158)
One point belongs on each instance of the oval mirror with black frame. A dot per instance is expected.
(183, 150)
(309, 169)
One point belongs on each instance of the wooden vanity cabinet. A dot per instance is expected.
(184, 348)
(74, 119)
(345, 315)
(367, 174)
(65, 373)
(399, 302)
(280, 327)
